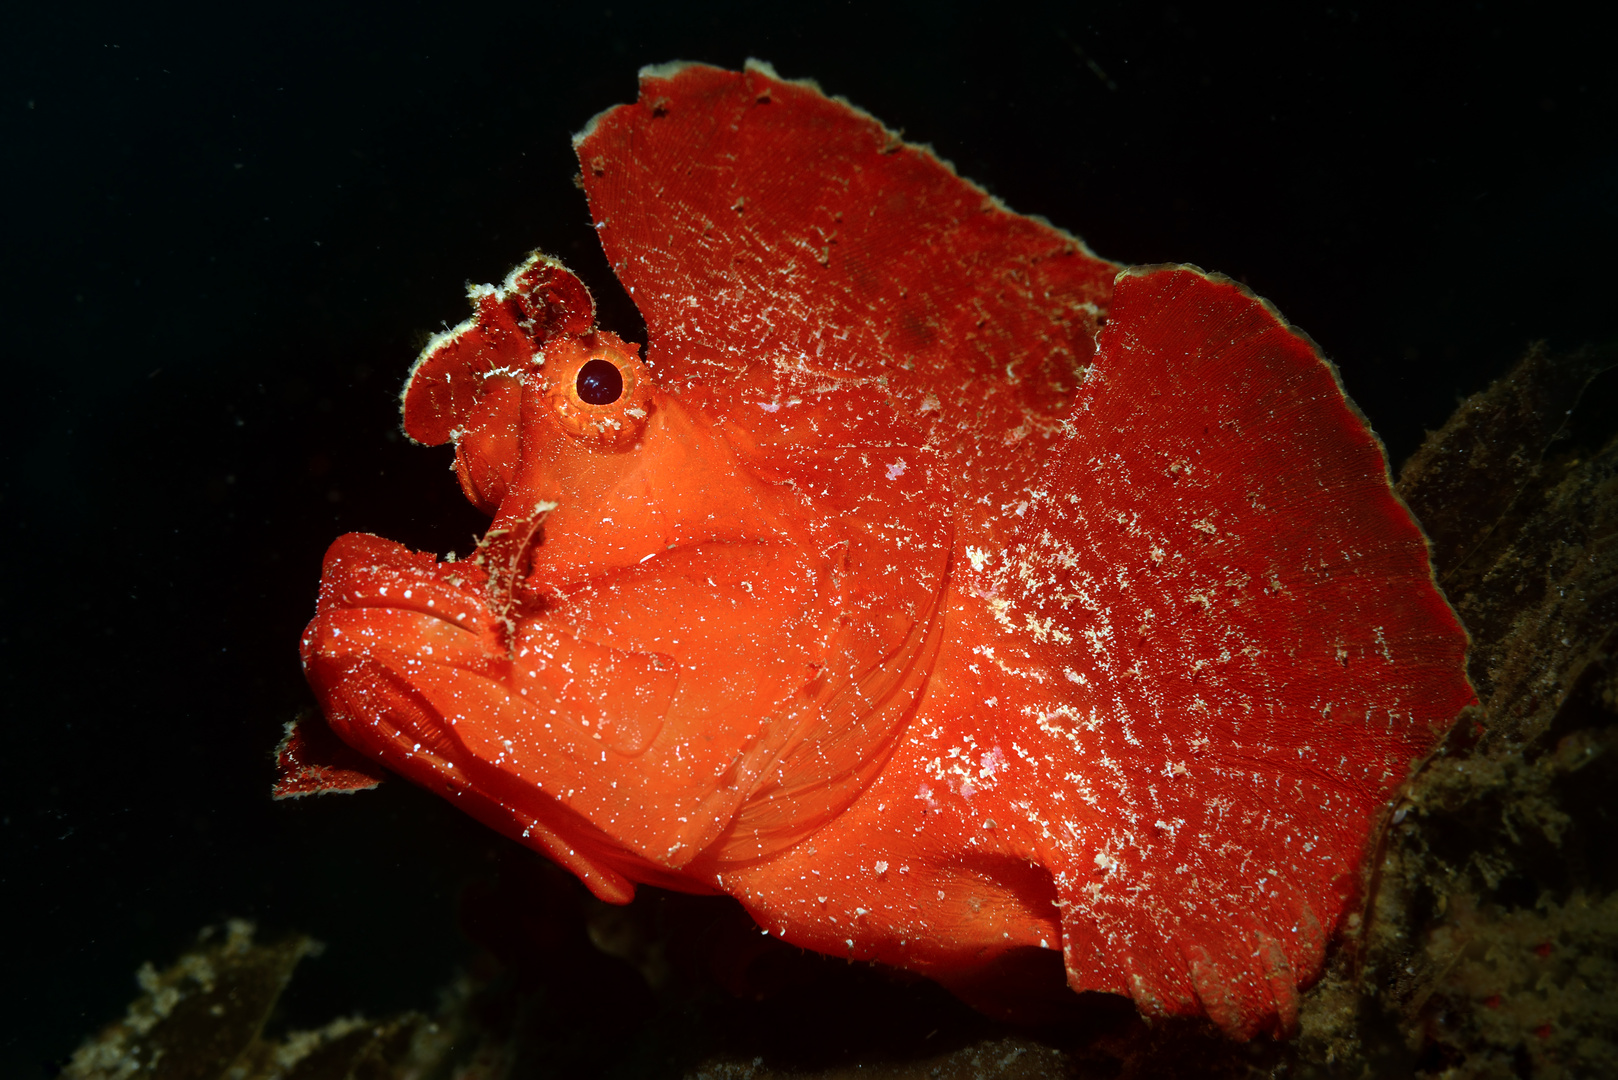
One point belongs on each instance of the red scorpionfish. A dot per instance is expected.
(951, 597)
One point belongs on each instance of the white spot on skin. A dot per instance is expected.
(1382, 644)
(896, 470)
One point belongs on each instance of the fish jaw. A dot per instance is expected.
(417, 663)
(390, 621)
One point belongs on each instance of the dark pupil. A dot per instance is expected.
(600, 383)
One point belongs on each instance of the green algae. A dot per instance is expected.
(204, 1018)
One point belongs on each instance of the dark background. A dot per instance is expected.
(225, 233)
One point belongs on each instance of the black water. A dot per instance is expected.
(225, 232)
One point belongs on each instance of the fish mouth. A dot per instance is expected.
(402, 653)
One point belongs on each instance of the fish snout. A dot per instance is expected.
(381, 601)
(391, 624)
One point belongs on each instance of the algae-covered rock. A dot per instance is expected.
(200, 1017)
(204, 1018)
(993, 1059)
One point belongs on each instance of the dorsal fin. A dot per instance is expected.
(765, 229)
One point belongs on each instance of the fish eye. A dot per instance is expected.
(599, 382)
(599, 390)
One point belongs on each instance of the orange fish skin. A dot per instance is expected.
(946, 596)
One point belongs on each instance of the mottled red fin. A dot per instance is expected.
(1236, 652)
(311, 760)
(758, 223)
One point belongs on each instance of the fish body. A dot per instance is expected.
(947, 594)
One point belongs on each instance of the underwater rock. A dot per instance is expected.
(204, 1018)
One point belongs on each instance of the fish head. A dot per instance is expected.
(467, 386)
(687, 604)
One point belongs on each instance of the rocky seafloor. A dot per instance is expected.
(1487, 945)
